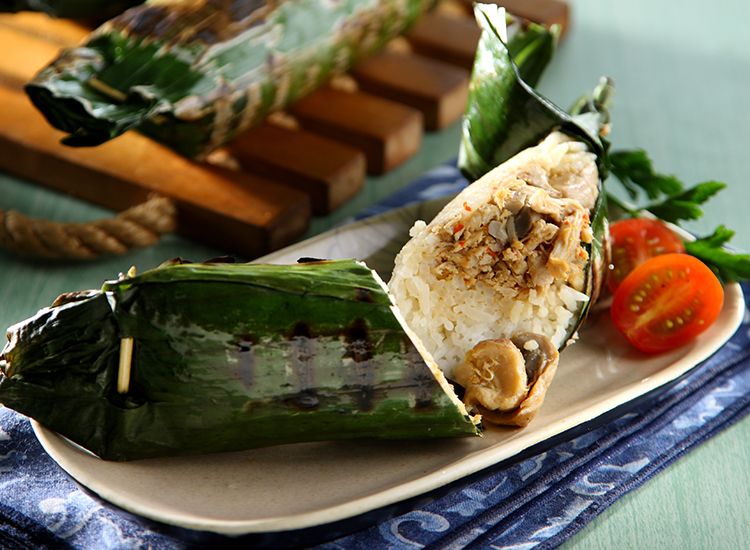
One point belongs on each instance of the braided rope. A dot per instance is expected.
(139, 226)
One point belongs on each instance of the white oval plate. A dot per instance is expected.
(304, 485)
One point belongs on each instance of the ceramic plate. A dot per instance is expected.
(305, 485)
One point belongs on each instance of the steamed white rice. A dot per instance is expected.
(451, 318)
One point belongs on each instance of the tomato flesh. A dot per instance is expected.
(666, 302)
(636, 240)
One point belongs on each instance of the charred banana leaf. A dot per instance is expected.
(75, 9)
(193, 74)
(228, 357)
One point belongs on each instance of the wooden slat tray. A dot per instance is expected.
(274, 177)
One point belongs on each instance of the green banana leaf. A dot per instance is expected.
(228, 357)
(74, 9)
(505, 114)
(194, 74)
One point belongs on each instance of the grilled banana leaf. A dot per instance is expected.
(75, 9)
(193, 74)
(228, 357)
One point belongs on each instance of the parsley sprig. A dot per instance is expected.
(668, 199)
(728, 265)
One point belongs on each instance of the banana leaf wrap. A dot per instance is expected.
(228, 357)
(193, 74)
(517, 257)
(505, 115)
(75, 9)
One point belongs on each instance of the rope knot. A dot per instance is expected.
(139, 226)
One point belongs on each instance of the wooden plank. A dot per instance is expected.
(448, 38)
(438, 90)
(230, 210)
(61, 32)
(85, 173)
(388, 133)
(329, 171)
(546, 12)
(25, 55)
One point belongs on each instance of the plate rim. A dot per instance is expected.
(734, 307)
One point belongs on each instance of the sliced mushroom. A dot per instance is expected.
(494, 375)
(506, 379)
(520, 224)
(515, 228)
(536, 350)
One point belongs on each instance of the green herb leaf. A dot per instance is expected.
(685, 205)
(673, 203)
(729, 266)
(721, 236)
(635, 171)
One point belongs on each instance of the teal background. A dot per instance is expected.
(682, 71)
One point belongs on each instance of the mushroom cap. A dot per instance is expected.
(507, 379)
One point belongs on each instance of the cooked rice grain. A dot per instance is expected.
(451, 316)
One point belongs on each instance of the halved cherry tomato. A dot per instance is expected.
(667, 301)
(636, 240)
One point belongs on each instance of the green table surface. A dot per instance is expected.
(682, 70)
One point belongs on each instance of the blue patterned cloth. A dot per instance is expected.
(536, 503)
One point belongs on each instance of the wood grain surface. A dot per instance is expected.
(435, 88)
(388, 133)
(330, 171)
(450, 38)
(229, 209)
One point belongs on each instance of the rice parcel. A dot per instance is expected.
(496, 283)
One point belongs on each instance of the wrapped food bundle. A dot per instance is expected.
(509, 257)
(215, 357)
(504, 275)
(194, 74)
